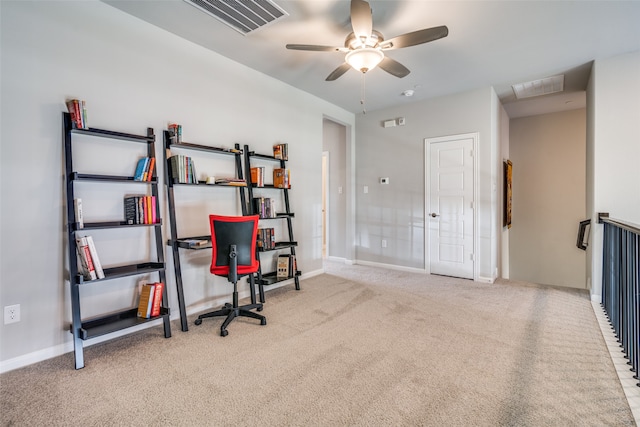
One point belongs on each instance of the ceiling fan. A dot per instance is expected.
(365, 47)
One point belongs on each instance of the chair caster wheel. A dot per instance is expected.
(198, 321)
(259, 309)
(263, 321)
(224, 333)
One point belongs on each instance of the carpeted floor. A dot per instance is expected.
(358, 346)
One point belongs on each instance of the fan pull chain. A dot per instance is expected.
(362, 94)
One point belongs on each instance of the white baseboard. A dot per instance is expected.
(67, 347)
(485, 279)
(392, 266)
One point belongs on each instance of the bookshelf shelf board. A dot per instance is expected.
(280, 245)
(272, 278)
(125, 271)
(281, 215)
(112, 224)
(270, 186)
(115, 135)
(75, 176)
(204, 184)
(263, 156)
(207, 148)
(185, 244)
(115, 322)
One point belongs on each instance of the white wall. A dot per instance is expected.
(548, 154)
(395, 212)
(133, 76)
(613, 150)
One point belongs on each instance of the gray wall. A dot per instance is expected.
(334, 140)
(135, 77)
(548, 154)
(395, 212)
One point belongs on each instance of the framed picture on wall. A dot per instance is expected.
(508, 195)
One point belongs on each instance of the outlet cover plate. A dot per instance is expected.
(11, 314)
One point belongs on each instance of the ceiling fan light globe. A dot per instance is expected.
(364, 59)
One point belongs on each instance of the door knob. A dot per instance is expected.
(433, 215)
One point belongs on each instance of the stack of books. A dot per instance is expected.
(140, 209)
(257, 176)
(144, 169)
(265, 207)
(90, 265)
(78, 111)
(266, 239)
(286, 266)
(281, 151)
(183, 170)
(150, 300)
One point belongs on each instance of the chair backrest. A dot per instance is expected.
(241, 231)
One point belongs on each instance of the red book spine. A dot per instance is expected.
(157, 299)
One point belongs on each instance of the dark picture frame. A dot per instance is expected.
(508, 193)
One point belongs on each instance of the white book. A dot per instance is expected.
(77, 207)
(85, 257)
(97, 265)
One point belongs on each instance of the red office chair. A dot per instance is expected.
(233, 239)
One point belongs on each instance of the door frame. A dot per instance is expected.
(325, 201)
(475, 137)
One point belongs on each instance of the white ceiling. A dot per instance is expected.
(490, 43)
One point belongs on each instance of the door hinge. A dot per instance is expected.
(472, 256)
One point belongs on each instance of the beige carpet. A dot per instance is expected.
(358, 346)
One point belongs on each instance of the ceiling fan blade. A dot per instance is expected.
(314, 47)
(361, 19)
(393, 67)
(338, 72)
(415, 38)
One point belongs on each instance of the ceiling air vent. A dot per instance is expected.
(244, 16)
(539, 87)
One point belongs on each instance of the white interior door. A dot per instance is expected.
(450, 206)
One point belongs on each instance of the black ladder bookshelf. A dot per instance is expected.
(83, 329)
(288, 245)
(177, 242)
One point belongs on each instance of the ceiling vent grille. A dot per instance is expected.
(244, 16)
(539, 87)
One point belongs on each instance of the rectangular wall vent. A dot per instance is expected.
(539, 87)
(244, 16)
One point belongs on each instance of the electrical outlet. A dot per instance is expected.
(11, 314)
(384, 243)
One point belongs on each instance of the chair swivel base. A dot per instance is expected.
(231, 313)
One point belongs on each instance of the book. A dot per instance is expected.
(130, 208)
(77, 208)
(83, 112)
(282, 270)
(146, 301)
(82, 247)
(151, 166)
(157, 299)
(97, 265)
